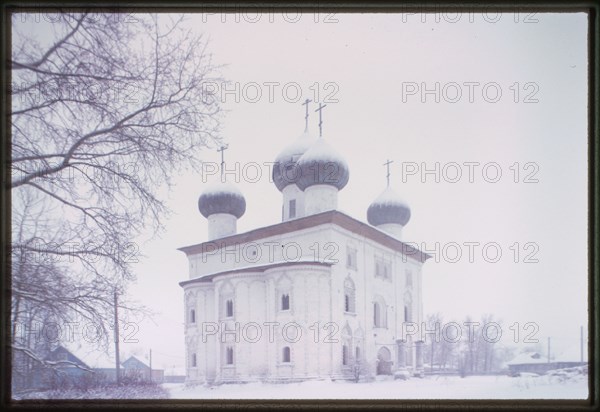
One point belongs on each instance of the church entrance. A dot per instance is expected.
(384, 361)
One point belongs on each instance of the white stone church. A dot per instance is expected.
(318, 295)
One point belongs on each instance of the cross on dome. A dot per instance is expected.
(387, 165)
(306, 102)
(320, 110)
(222, 150)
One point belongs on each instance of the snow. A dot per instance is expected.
(389, 197)
(221, 188)
(322, 152)
(296, 148)
(430, 387)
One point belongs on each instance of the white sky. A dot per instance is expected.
(368, 57)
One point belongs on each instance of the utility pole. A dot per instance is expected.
(117, 361)
(432, 351)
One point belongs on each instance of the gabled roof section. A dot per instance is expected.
(255, 268)
(330, 217)
(136, 360)
(53, 356)
(527, 358)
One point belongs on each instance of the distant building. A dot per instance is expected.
(534, 362)
(134, 368)
(64, 369)
(175, 375)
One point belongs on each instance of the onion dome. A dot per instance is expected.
(285, 171)
(322, 165)
(388, 208)
(222, 197)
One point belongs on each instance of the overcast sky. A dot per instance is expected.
(365, 62)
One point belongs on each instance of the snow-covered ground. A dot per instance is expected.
(430, 387)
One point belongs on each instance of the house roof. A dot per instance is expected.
(91, 356)
(528, 358)
(136, 359)
(330, 217)
(75, 358)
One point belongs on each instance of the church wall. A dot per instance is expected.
(369, 288)
(201, 299)
(317, 302)
(256, 300)
(308, 244)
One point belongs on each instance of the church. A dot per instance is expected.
(319, 295)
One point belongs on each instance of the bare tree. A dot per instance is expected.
(104, 112)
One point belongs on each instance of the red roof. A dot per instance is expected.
(333, 216)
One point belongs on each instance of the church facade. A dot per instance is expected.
(318, 295)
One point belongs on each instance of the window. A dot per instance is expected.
(292, 208)
(376, 315)
(229, 355)
(382, 269)
(193, 316)
(286, 355)
(345, 355)
(285, 302)
(229, 308)
(357, 354)
(194, 362)
(380, 313)
(407, 314)
(349, 296)
(351, 258)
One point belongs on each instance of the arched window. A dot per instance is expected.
(229, 356)
(357, 354)
(344, 355)
(193, 316)
(285, 302)
(407, 314)
(379, 313)
(229, 308)
(349, 296)
(286, 354)
(194, 362)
